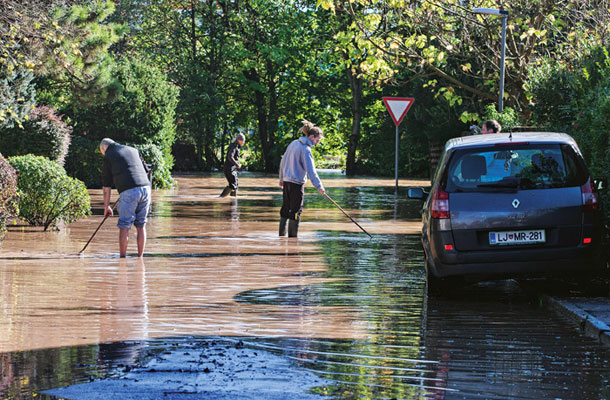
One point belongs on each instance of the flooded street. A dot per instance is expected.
(334, 304)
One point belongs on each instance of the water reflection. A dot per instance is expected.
(334, 302)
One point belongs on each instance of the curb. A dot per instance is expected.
(587, 323)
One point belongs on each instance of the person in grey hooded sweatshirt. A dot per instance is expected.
(296, 165)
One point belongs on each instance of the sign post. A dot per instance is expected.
(398, 107)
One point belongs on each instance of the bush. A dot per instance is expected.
(43, 134)
(84, 161)
(162, 175)
(47, 194)
(573, 99)
(508, 119)
(8, 194)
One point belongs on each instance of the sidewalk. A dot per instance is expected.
(591, 314)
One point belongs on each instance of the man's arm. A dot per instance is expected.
(107, 186)
(107, 209)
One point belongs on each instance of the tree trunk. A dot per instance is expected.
(354, 138)
(273, 119)
(263, 128)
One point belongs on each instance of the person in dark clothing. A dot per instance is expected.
(491, 126)
(124, 167)
(232, 165)
(297, 164)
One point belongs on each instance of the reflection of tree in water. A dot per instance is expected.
(32, 371)
(386, 289)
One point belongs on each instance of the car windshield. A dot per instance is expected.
(512, 167)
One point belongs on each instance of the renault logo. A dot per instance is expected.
(516, 203)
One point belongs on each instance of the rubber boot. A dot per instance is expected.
(283, 222)
(293, 228)
(225, 191)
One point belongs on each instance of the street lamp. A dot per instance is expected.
(504, 15)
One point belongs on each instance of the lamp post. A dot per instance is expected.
(504, 15)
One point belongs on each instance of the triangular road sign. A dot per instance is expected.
(398, 107)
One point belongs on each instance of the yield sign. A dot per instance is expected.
(398, 107)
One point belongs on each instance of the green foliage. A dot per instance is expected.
(47, 195)
(162, 176)
(573, 98)
(84, 161)
(16, 97)
(43, 134)
(143, 112)
(8, 194)
(508, 118)
(65, 44)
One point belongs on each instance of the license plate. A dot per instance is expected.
(517, 237)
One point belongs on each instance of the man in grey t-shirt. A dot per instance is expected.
(124, 168)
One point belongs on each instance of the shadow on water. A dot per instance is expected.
(487, 341)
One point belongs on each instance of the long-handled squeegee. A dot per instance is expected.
(98, 228)
(347, 215)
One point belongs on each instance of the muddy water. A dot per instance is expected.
(350, 309)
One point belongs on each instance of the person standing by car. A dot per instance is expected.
(232, 165)
(124, 167)
(296, 165)
(491, 126)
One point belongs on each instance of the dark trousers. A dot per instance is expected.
(292, 202)
(231, 175)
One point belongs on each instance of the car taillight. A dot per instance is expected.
(440, 204)
(590, 197)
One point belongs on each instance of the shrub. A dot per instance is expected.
(573, 99)
(47, 194)
(162, 175)
(43, 134)
(508, 119)
(84, 161)
(8, 194)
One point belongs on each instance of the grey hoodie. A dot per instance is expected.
(297, 163)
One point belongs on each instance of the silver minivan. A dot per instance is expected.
(509, 205)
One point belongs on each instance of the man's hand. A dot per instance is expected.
(281, 184)
(108, 212)
(239, 167)
(322, 192)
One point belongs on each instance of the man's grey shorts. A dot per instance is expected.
(133, 207)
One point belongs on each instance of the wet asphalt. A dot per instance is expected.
(222, 308)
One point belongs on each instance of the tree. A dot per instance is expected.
(192, 41)
(458, 51)
(63, 43)
(363, 73)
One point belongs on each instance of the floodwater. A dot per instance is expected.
(347, 308)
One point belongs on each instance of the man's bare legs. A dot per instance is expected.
(141, 240)
(124, 240)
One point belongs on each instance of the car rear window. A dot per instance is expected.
(518, 166)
